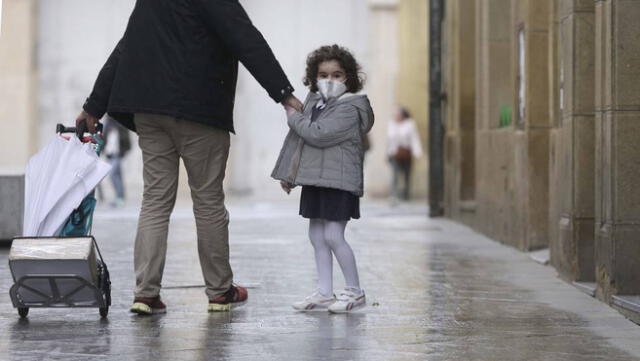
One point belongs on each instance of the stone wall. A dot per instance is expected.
(573, 145)
(617, 131)
(498, 124)
(563, 170)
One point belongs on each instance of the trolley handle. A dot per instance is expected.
(79, 131)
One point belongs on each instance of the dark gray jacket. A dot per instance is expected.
(180, 58)
(327, 152)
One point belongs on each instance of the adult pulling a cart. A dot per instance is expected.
(172, 79)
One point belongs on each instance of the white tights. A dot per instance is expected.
(327, 237)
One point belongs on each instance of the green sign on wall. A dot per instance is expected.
(505, 116)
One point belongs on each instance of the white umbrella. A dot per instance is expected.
(57, 179)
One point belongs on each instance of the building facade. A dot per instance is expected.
(542, 134)
(51, 52)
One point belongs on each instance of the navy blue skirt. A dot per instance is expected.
(329, 204)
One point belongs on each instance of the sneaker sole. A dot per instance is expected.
(315, 309)
(355, 308)
(216, 307)
(144, 310)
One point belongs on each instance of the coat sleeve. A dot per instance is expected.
(97, 102)
(329, 132)
(229, 20)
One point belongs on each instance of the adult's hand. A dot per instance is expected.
(89, 119)
(293, 102)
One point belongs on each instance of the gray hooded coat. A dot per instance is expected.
(327, 152)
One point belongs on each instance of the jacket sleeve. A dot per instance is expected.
(329, 132)
(229, 20)
(97, 102)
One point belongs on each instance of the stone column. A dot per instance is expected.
(617, 148)
(459, 63)
(512, 108)
(18, 107)
(572, 163)
(531, 115)
(493, 60)
(413, 78)
(384, 58)
(18, 79)
(496, 217)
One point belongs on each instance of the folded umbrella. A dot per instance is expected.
(39, 169)
(58, 178)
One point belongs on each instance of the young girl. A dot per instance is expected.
(323, 153)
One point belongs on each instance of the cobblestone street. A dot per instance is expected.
(436, 291)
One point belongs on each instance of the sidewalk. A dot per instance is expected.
(436, 291)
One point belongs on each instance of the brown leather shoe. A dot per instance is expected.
(148, 306)
(234, 297)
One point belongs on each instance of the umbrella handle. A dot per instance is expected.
(81, 128)
(79, 131)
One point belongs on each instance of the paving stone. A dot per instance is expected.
(441, 292)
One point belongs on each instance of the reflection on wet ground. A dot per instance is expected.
(436, 291)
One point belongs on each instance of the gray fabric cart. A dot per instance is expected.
(58, 272)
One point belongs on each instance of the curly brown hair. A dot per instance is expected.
(346, 60)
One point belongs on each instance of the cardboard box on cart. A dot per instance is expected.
(54, 256)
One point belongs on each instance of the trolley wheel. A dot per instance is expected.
(104, 311)
(23, 312)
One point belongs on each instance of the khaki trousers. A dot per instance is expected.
(204, 151)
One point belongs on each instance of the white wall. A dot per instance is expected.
(76, 37)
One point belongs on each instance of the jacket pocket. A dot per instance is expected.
(296, 159)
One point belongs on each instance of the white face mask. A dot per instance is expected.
(330, 89)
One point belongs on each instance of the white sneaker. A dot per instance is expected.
(315, 302)
(348, 301)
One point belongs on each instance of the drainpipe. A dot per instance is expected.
(436, 127)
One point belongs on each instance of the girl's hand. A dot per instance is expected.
(289, 110)
(286, 187)
(293, 102)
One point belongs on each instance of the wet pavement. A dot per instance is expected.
(436, 291)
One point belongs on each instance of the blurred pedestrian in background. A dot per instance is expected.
(117, 145)
(403, 144)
